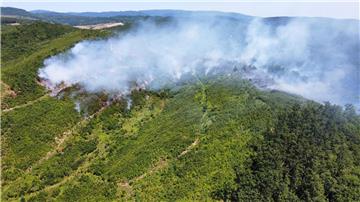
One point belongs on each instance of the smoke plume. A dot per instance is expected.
(315, 58)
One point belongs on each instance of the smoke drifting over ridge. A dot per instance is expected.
(315, 58)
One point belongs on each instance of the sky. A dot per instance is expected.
(319, 8)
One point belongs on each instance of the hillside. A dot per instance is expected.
(16, 12)
(74, 20)
(11, 15)
(207, 139)
(23, 50)
(156, 13)
(28, 37)
(14, 15)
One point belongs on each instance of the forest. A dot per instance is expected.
(216, 138)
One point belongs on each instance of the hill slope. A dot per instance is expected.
(23, 50)
(210, 139)
(230, 142)
(16, 12)
(11, 15)
(14, 15)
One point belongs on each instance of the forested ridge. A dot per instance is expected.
(208, 139)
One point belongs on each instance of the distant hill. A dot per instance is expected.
(107, 14)
(15, 15)
(11, 15)
(9, 11)
(74, 20)
(83, 18)
(153, 13)
(29, 37)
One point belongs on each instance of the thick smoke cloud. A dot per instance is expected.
(315, 58)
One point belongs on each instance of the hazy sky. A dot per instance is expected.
(319, 8)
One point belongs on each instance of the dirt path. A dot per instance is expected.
(59, 146)
(59, 141)
(127, 185)
(80, 169)
(63, 181)
(163, 162)
(123, 185)
(189, 148)
(26, 104)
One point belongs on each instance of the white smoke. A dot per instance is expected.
(315, 58)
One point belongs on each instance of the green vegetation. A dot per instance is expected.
(29, 132)
(20, 41)
(311, 154)
(230, 142)
(67, 19)
(24, 49)
(10, 11)
(210, 139)
(15, 15)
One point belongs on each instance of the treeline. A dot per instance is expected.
(19, 41)
(312, 154)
